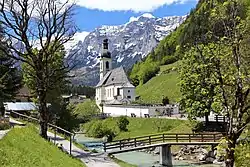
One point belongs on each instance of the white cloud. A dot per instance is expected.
(125, 5)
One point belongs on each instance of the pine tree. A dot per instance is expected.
(10, 80)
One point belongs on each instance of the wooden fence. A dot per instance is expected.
(162, 138)
(54, 128)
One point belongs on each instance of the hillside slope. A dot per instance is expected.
(164, 84)
(173, 47)
(23, 147)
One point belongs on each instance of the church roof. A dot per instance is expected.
(115, 76)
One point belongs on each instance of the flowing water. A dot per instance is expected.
(140, 159)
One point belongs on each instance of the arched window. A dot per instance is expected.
(107, 65)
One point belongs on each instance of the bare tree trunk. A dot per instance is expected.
(206, 118)
(44, 117)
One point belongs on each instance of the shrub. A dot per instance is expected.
(197, 126)
(123, 123)
(165, 100)
(97, 129)
(86, 110)
(4, 125)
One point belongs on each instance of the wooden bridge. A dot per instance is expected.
(164, 141)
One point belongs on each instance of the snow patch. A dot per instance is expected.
(118, 45)
(90, 48)
(129, 45)
(120, 59)
(79, 36)
(148, 15)
(132, 19)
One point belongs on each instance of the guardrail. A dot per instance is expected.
(53, 127)
(165, 137)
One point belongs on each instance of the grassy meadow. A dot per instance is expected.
(23, 147)
(143, 126)
(164, 84)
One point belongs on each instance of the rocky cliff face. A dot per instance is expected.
(128, 43)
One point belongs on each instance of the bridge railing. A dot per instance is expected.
(165, 137)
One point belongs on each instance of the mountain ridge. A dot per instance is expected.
(128, 43)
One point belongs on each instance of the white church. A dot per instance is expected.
(114, 86)
(114, 90)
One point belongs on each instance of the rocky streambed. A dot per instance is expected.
(192, 154)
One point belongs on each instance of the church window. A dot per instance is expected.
(107, 65)
(129, 97)
(118, 92)
(128, 91)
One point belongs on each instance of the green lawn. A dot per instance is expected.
(147, 126)
(165, 84)
(23, 147)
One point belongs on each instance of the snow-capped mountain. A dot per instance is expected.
(128, 43)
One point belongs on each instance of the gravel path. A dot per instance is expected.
(90, 159)
(3, 133)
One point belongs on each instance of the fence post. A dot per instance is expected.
(55, 136)
(104, 146)
(135, 142)
(120, 144)
(149, 140)
(202, 138)
(163, 138)
(70, 146)
(177, 138)
(214, 138)
(189, 137)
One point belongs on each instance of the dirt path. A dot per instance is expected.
(90, 159)
(3, 133)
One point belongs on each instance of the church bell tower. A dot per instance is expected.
(105, 59)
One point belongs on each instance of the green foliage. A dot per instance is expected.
(144, 71)
(86, 110)
(4, 125)
(98, 129)
(242, 154)
(215, 74)
(141, 126)
(89, 92)
(10, 77)
(56, 73)
(24, 147)
(165, 84)
(198, 86)
(197, 126)
(165, 100)
(63, 116)
(122, 123)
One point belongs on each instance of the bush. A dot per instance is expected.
(97, 129)
(122, 123)
(86, 110)
(197, 126)
(4, 126)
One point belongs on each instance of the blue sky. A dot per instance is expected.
(90, 14)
